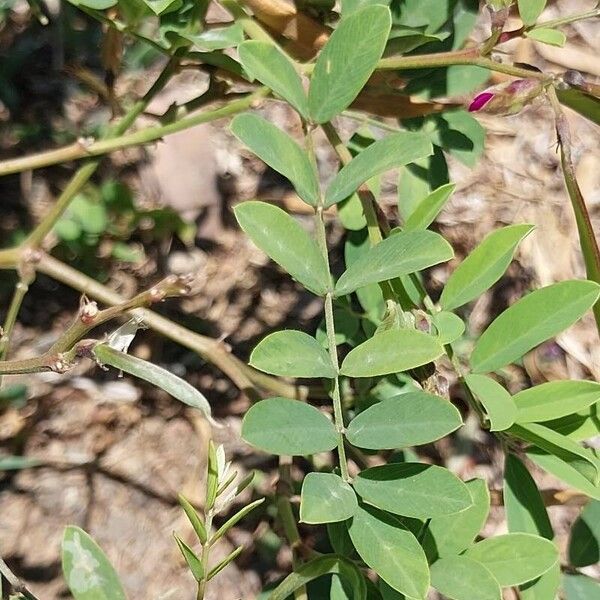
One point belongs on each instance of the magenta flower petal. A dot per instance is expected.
(480, 101)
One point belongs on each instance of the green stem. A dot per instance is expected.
(205, 555)
(144, 136)
(470, 56)
(590, 14)
(21, 289)
(333, 355)
(587, 237)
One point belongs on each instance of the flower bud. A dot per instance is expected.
(507, 98)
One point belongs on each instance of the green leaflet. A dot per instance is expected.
(400, 254)
(531, 321)
(347, 61)
(284, 426)
(326, 498)
(87, 571)
(278, 150)
(273, 68)
(281, 238)
(291, 353)
(390, 550)
(403, 421)
(394, 150)
(413, 490)
(484, 266)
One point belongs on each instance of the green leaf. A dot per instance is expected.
(413, 490)
(292, 354)
(514, 558)
(193, 562)
(585, 104)
(462, 127)
(579, 426)
(94, 4)
(284, 426)
(337, 532)
(235, 519)
(497, 402)
(267, 63)
(429, 208)
(327, 564)
(87, 571)
(403, 421)
(483, 267)
(280, 236)
(400, 254)
(461, 578)
(228, 559)
(158, 7)
(563, 471)
(392, 151)
(16, 463)
(193, 518)
(390, 550)
(347, 61)
(525, 510)
(554, 37)
(217, 38)
(278, 150)
(555, 399)
(391, 351)
(530, 10)
(161, 378)
(531, 321)
(451, 534)
(326, 498)
(448, 325)
(581, 587)
(543, 587)
(584, 544)
(581, 459)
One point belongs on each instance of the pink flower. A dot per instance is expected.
(507, 98)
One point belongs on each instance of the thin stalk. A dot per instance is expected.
(552, 23)
(21, 289)
(248, 380)
(144, 136)
(587, 237)
(15, 583)
(250, 26)
(333, 355)
(205, 555)
(470, 56)
(338, 414)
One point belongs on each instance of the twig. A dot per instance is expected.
(587, 237)
(15, 583)
(247, 379)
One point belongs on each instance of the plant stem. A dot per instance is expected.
(587, 237)
(248, 380)
(551, 24)
(470, 56)
(15, 583)
(144, 136)
(331, 343)
(11, 316)
(205, 554)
